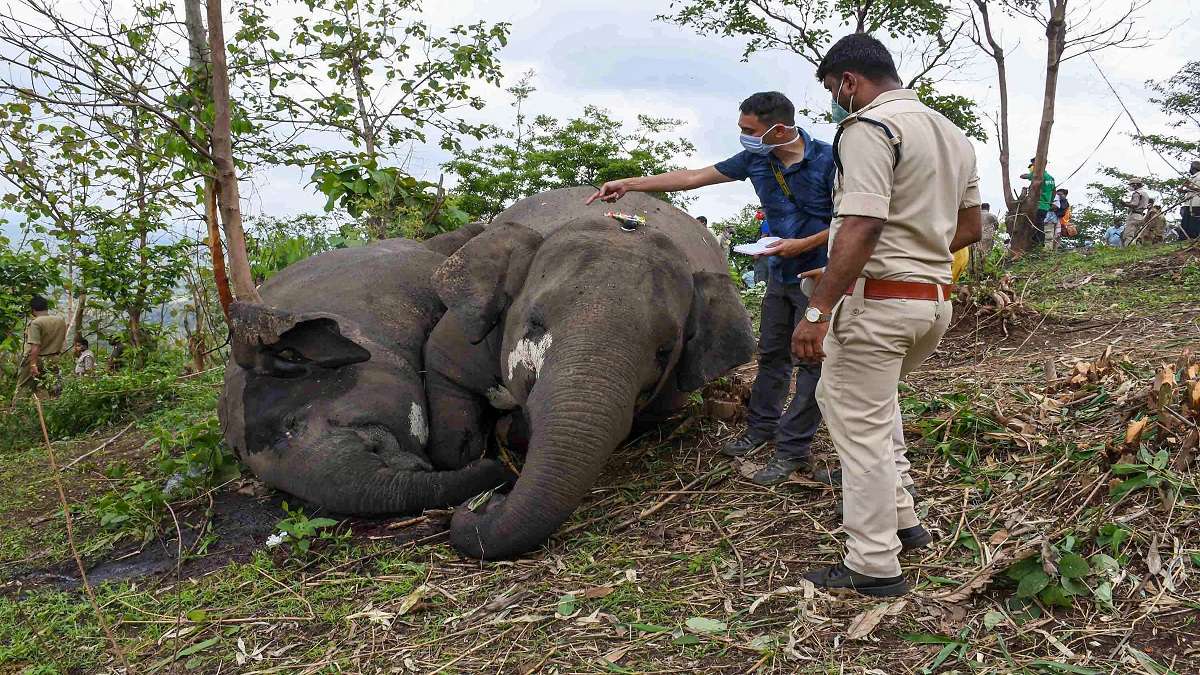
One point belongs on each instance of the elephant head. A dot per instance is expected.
(594, 322)
(323, 393)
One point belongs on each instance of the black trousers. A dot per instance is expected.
(1039, 230)
(1191, 222)
(793, 429)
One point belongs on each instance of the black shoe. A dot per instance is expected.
(778, 469)
(840, 577)
(913, 538)
(742, 445)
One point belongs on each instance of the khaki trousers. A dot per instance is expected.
(870, 345)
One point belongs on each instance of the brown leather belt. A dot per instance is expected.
(886, 289)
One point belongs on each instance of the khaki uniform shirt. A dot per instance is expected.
(48, 332)
(919, 198)
(1140, 200)
(1193, 188)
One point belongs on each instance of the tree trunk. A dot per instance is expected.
(220, 278)
(997, 54)
(77, 317)
(1056, 31)
(229, 197)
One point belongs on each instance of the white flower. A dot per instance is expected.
(276, 539)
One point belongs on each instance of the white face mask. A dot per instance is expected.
(755, 145)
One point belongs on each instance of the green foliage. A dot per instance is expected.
(374, 72)
(274, 243)
(1064, 578)
(808, 28)
(22, 273)
(586, 150)
(954, 423)
(746, 230)
(391, 202)
(302, 532)
(1179, 99)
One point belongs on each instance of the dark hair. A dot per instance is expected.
(1062, 190)
(82, 342)
(986, 206)
(771, 107)
(702, 219)
(862, 54)
(38, 304)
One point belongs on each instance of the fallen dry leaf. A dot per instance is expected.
(1133, 435)
(862, 625)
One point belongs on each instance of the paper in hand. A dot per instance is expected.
(757, 248)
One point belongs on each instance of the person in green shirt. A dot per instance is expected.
(1044, 202)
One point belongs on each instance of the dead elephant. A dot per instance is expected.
(324, 397)
(557, 311)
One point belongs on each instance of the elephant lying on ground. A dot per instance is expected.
(557, 311)
(323, 393)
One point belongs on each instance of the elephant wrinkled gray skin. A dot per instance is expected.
(323, 394)
(556, 311)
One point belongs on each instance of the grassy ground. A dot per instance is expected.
(676, 563)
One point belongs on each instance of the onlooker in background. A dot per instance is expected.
(116, 355)
(1058, 213)
(1136, 206)
(1065, 226)
(44, 338)
(1112, 236)
(85, 361)
(991, 225)
(1044, 200)
(1191, 205)
(761, 264)
(1154, 226)
(703, 220)
(979, 251)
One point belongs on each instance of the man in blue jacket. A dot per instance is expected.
(792, 173)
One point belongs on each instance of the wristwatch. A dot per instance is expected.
(814, 315)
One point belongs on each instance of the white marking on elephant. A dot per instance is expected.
(416, 424)
(500, 398)
(529, 353)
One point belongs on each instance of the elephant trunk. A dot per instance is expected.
(579, 411)
(410, 492)
(344, 475)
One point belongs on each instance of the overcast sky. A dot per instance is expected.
(612, 53)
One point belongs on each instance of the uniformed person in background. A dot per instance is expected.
(44, 338)
(1135, 214)
(906, 196)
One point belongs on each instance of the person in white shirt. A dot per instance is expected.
(85, 361)
(1191, 206)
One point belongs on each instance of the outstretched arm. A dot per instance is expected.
(672, 181)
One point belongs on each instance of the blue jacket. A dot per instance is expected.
(811, 183)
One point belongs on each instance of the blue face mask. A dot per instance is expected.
(755, 145)
(837, 112)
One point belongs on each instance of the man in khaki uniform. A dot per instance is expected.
(1135, 216)
(44, 338)
(906, 196)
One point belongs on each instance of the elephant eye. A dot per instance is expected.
(663, 354)
(290, 355)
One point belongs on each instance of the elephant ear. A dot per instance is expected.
(479, 281)
(718, 335)
(257, 332)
